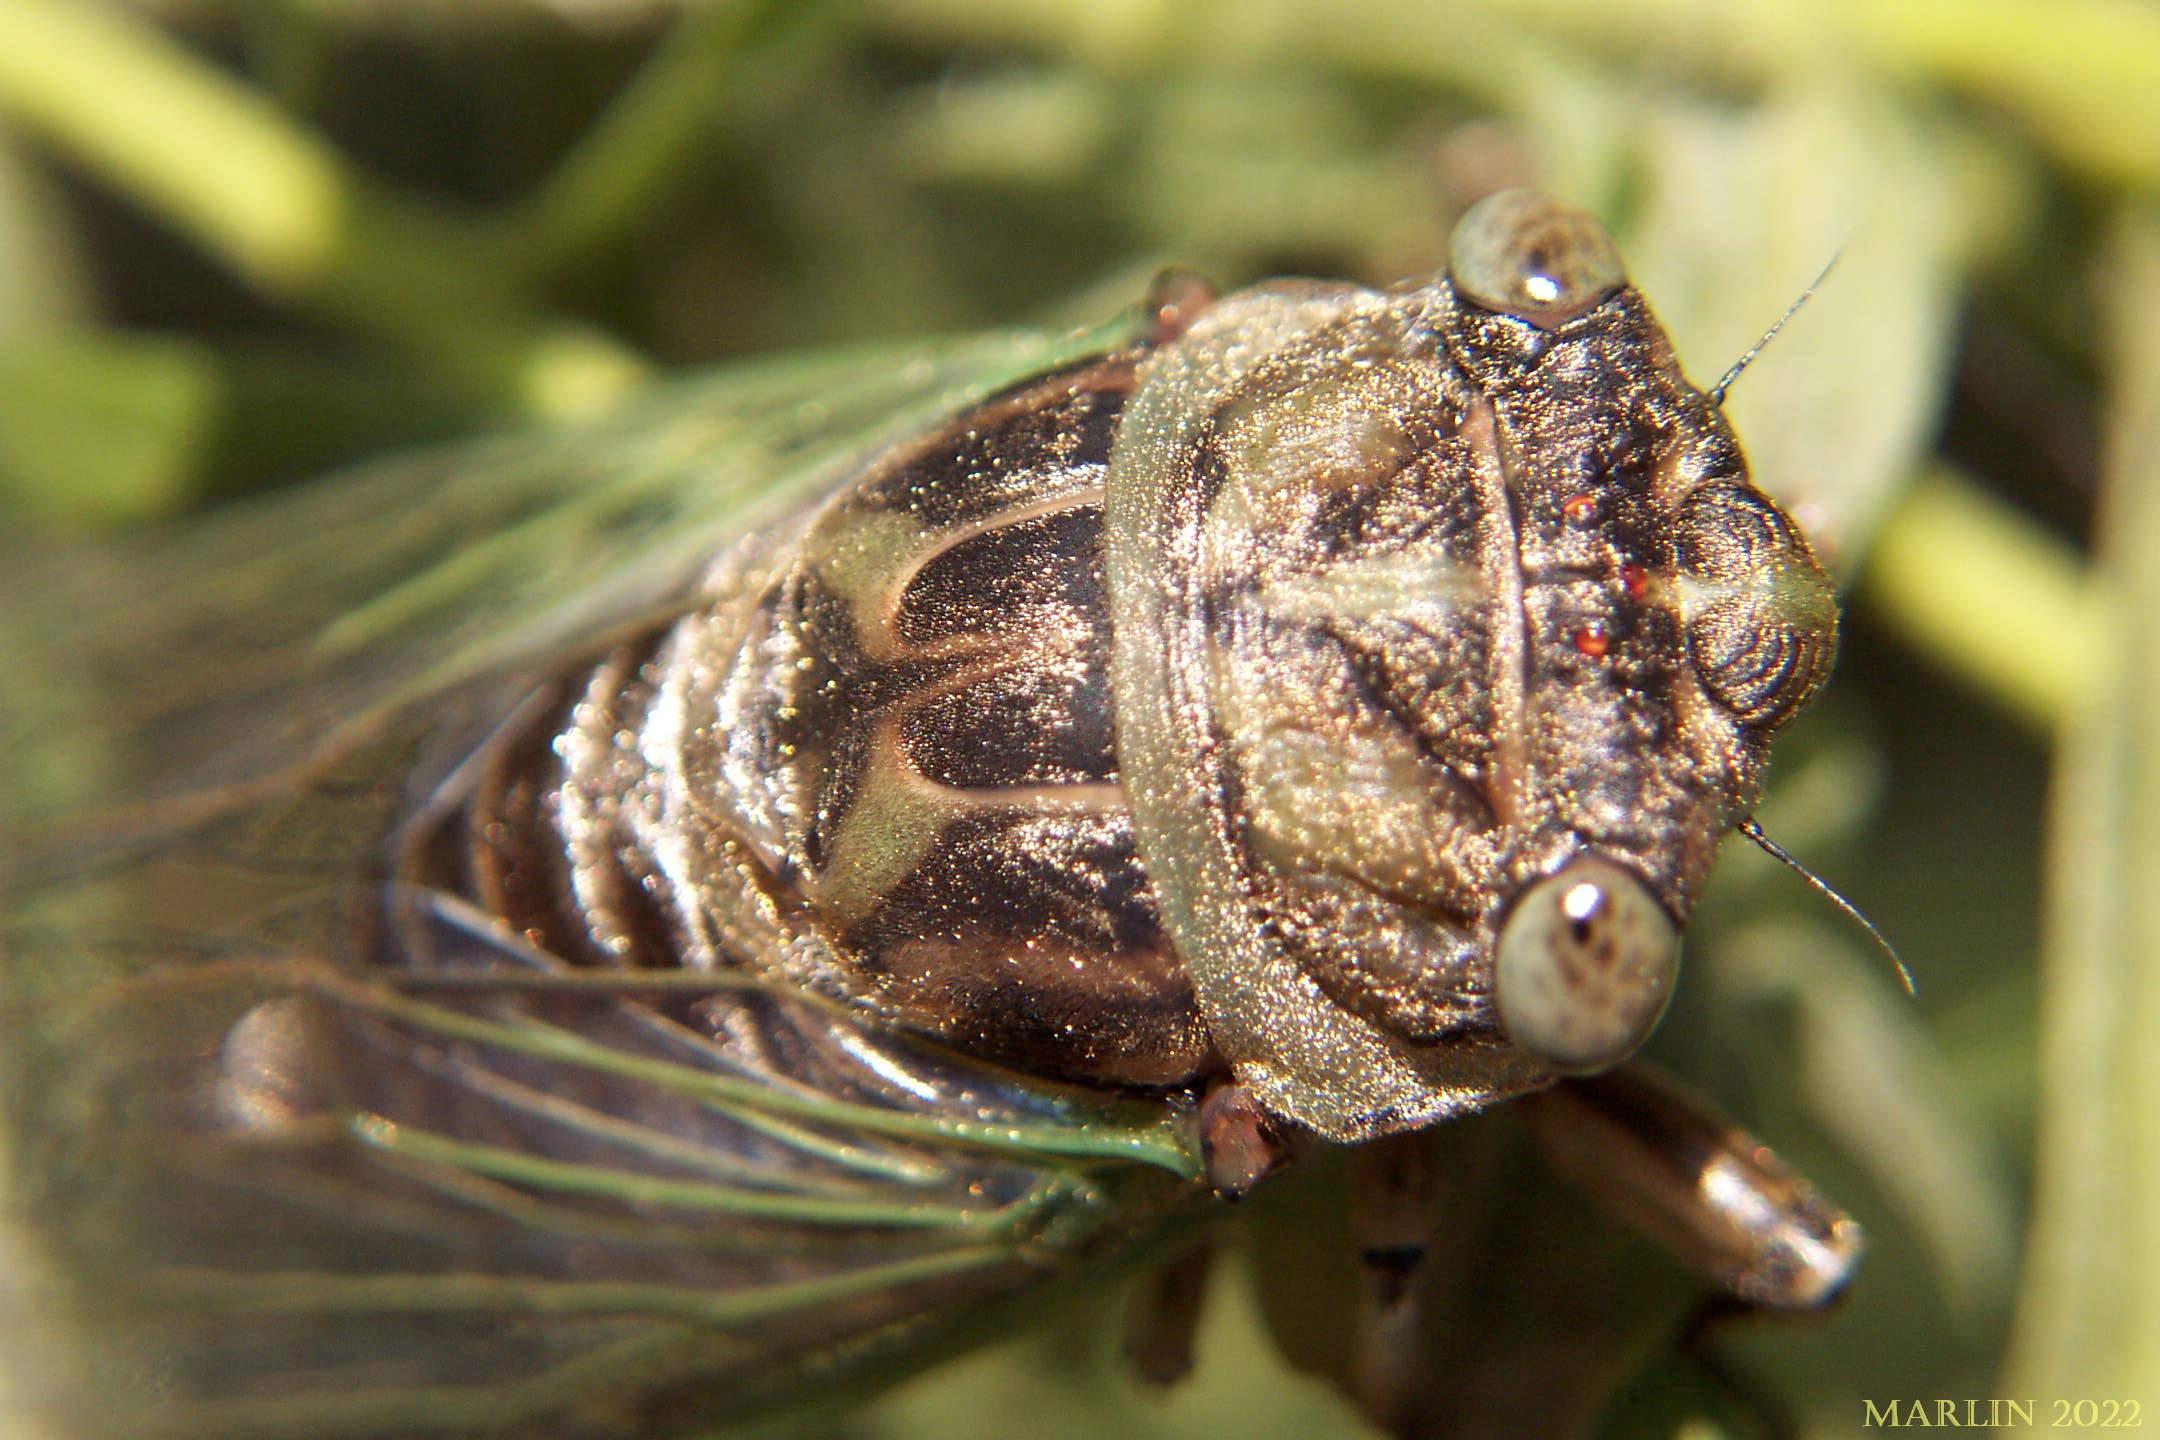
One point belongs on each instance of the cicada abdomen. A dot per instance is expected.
(605, 930)
(323, 1119)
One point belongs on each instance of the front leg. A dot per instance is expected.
(1660, 1161)
(1492, 1303)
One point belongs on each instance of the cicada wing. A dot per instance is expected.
(233, 652)
(308, 1203)
(301, 1150)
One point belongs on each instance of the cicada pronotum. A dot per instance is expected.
(597, 933)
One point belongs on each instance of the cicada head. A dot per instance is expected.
(1451, 637)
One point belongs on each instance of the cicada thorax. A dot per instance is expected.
(1345, 689)
(1450, 635)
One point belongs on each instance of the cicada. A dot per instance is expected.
(600, 933)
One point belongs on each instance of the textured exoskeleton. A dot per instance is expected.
(599, 931)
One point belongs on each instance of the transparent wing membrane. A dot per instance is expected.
(310, 1151)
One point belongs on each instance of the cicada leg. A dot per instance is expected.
(1240, 1143)
(1661, 1161)
(1449, 1287)
(1395, 1188)
(1453, 1286)
(1165, 1316)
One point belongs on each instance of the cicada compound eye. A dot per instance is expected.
(1585, 966)
(1525, 254)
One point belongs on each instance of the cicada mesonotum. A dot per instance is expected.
(594, 933)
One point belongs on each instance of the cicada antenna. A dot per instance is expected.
(1777, 852)
(1725, 382)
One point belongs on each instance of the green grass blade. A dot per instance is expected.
(2088, 1326)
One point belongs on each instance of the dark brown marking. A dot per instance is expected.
(1001, 453)
(1391, 1267)
(1036, 938)
(1020, 577)
(1017, 725)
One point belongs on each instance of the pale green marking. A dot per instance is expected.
(863, 557)
(869, 1161)
(1336, 434)
(1329, 437)
(1091, 1128)
(633, 1187)
(1418, 586)
(894, 820)
(1790, 589)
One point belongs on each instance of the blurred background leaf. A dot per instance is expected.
(243, 241)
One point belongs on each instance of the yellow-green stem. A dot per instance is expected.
(637, 145)
(224, 167)
(2088, 1322)
(1991, 598)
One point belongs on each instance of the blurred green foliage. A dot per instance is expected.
(242, 241)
